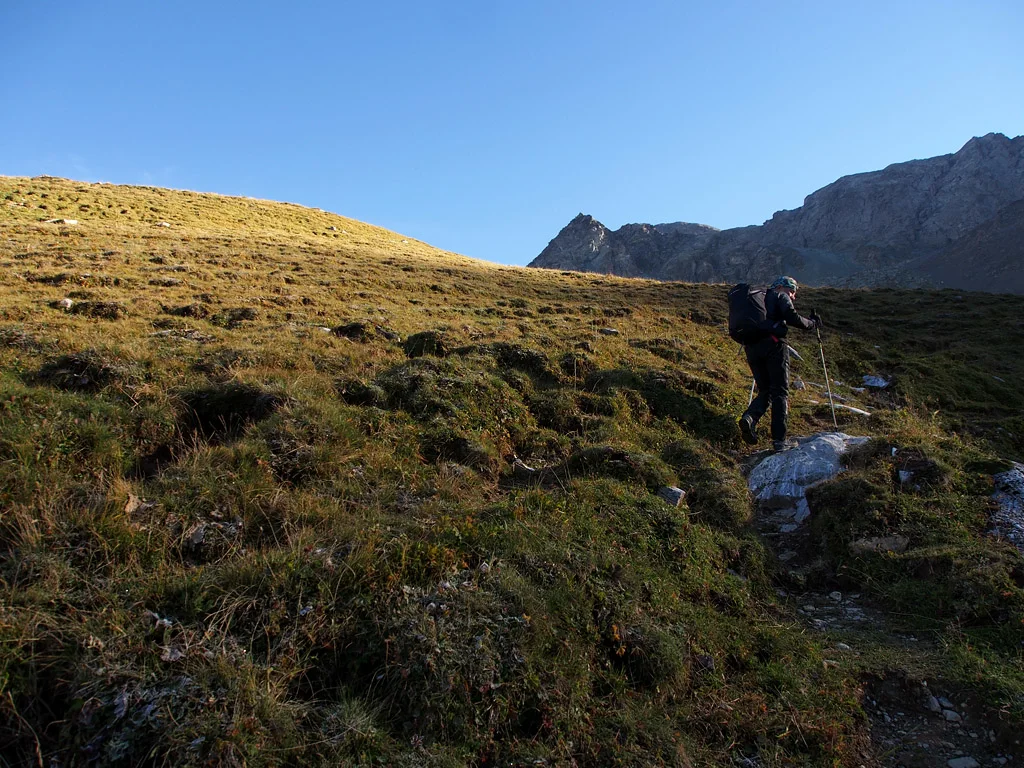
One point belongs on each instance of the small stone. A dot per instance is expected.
(963, 762)
(951, 716)
(933, 705)
(836, 596)
(172, 654)
(484, 568)
(609, 332)
(946, 703)
(65, 304)
(895, 544)
(672, 496)
(706, 662)
(843, 647)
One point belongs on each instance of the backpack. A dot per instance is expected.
(748, 320)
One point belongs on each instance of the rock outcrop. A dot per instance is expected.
(635, 250)
(924, 222)
(780, 481)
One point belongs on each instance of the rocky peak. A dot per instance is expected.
(858, 228)
(633, 250)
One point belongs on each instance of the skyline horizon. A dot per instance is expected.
(614, 227)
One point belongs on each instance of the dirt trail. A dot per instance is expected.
(912, 723)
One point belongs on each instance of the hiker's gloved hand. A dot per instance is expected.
(816, 319)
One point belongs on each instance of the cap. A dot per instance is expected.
(785, 281)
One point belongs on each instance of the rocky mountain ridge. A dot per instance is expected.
(909, 224)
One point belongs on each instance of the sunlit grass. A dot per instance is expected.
(250, 516)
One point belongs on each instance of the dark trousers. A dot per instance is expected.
(769, 362)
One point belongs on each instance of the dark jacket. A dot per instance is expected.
(778, 306)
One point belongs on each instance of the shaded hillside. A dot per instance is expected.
(862, 230)
(989, 258)
(260, 507)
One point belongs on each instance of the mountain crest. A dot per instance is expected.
(859, 230)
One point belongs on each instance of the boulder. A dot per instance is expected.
(1007, 520)
(780, 481)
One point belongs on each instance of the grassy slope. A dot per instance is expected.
(232, 535)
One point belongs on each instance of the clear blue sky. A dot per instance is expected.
(484, 127)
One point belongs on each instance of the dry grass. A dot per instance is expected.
(250, 517)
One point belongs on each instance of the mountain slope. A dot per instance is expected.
(258, 506)
(989, 258)
(858, 230)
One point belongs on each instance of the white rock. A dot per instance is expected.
(963, 762)
(65, 304)
(1007, 520)
(609, 332)
(836, 596)
(780, 481)
(951, 716)
(162, 224)
(172, 654)
(673, 496)
(875, 381)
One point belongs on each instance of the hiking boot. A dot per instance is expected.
(747, 430)
(784, 445)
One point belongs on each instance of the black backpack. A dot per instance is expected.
(748, 320)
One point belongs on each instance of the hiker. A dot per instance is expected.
(769, 362)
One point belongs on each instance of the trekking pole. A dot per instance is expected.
(828, 386)
(751, 398)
